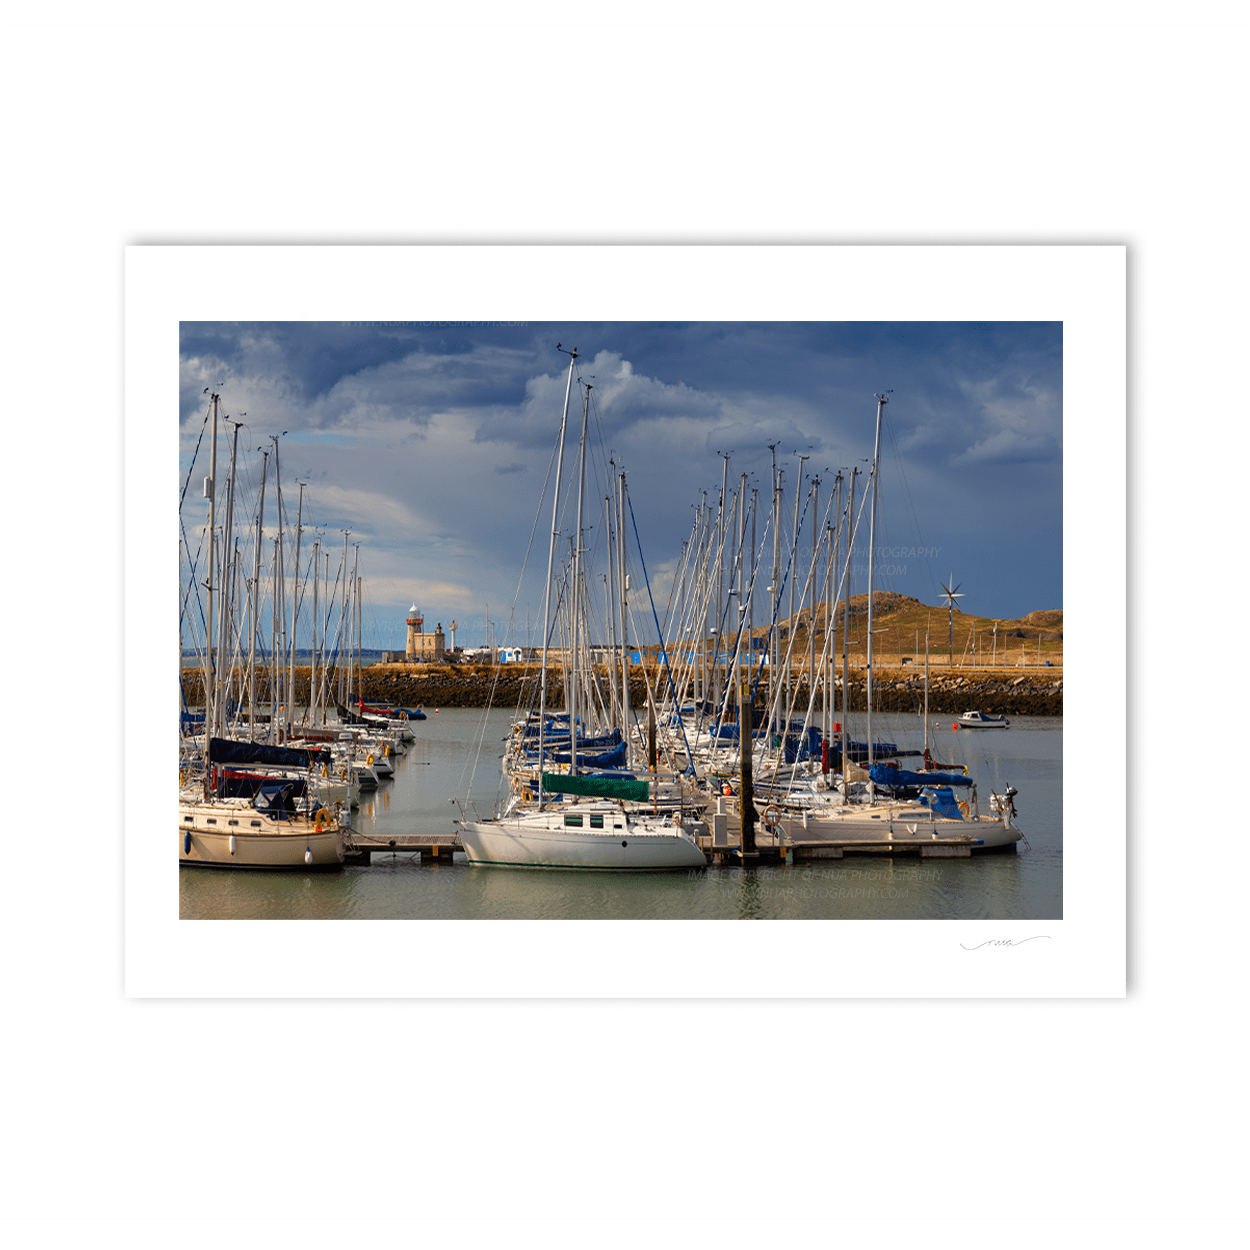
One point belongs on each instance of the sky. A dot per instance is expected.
(432, 443)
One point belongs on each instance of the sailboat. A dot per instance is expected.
(592, 830)
(266, 830)
(868, 806)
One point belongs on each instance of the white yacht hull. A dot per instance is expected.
(221, 836)
(886, 824)
(622, 846)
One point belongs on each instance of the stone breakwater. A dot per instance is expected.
(1038, 693)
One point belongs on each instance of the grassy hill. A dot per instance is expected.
(900, 623)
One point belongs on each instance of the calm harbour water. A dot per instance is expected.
(438, 765)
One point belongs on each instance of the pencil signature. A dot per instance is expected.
(1004, 942)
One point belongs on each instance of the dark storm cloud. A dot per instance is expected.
(399, 426)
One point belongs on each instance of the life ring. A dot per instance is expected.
(319, 818)
(525, 796)
(369, 761)
(727, 789)
(772, 816)
(964, 809)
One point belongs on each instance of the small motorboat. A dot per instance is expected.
(979, 720)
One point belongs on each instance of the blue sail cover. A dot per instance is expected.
(607, 759)
(560, 740)
(941, 801)
(226, 751)
(802, 746)
(897, 778)
(276, 801)
(249, 787)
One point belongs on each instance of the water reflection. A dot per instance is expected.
(1027, 886)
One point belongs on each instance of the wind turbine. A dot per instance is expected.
(951, 596)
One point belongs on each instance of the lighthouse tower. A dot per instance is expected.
(415, 630)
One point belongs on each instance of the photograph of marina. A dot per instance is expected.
(621, 620)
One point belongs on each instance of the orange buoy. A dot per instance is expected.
(955, 726)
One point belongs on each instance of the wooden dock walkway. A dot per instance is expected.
(435, 848)
(439, 848)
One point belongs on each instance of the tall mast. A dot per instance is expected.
(751, 606)
(742, 607)
(794, 556)
(342, 641)
(274, 653)
(551, 552)
(926, 687)
(251, 665)
(299, 521)
(774, 589)
(210, 489)
(575, 599)
(279, 591)
(846, 616)
(872, 552)
(718, 639)
(701, 582)
(623, 582)
(352, 676)
(830, 622)
(811, 620)
(223, 599)
(609, 610)
(312, 672)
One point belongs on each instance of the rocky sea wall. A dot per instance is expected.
(1037, 693)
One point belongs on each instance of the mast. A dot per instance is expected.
(811, 620)
(623, 582)
(251, 666)
(279, 593)
(751, 607)
(575, 599)
(352, 676)
(774, 589)
(718, 639)
(609, 615)
(312, 672)
(872, 550)
(700, 606)
(342, 650)
(794, 555)
(551, 552)
(223, 604)
(210, 489)
(274, 654)
(926, 688)
(846, 617)
(290, 703)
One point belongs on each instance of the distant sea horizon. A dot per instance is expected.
(302, 656)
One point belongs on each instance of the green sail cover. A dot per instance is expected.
(597, 787)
